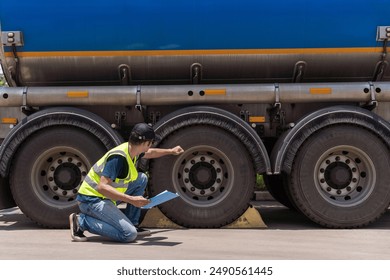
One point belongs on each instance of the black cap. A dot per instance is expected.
(143, 131)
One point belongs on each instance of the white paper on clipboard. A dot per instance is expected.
(160, 198)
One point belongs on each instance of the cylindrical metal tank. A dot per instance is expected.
(96, 42)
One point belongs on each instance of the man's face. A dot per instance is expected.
(146, 146)
(142, 147)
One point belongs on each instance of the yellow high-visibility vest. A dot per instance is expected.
(90, 183)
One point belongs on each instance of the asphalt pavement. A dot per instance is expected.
(288, 236)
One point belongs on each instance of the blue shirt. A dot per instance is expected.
(116, 167)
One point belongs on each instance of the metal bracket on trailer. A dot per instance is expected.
(373, 103)
(138, 106)
(276, 112)
(25, 108)
(383, 33)
(12, 38)
(24, 104)
(277, 103)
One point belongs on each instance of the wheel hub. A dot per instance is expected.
(203, 176)
(338, 175)
(64, 176)
(67, 175)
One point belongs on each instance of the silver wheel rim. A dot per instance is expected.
(203, 176)
(57, 175)
(345, 176)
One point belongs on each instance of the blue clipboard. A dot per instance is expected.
(160, 198)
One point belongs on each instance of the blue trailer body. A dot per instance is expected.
(97, 25)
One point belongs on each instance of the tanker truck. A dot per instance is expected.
(295, 91)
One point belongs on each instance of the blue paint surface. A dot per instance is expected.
(110, 25)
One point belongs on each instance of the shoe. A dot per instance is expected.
(75, 232)
(143, 232)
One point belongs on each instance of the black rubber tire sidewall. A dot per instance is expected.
(21, 172)
(307, 198)
(277, 185)
(226, 211)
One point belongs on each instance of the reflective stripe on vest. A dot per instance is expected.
(89, 185)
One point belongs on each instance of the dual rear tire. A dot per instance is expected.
(214, 177)
(340, 177)
(48, 170)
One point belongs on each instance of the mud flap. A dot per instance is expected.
(6, 199)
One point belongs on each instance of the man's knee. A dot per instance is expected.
(129, 235)
(143, 178)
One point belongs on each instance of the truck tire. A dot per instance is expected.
(340, 177)
(48, 170)
(6, 199)
(214, 177)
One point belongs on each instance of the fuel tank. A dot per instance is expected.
(117, 42)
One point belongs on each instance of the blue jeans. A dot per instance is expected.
(102, 216)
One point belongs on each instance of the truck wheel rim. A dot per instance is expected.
(203, 176)
(345, 176)
(57, 175)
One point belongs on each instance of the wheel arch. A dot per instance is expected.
(223, 119)
(287, 146)
(52, 117)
